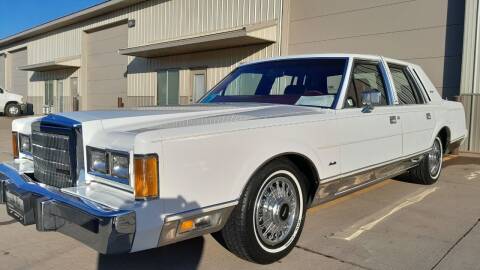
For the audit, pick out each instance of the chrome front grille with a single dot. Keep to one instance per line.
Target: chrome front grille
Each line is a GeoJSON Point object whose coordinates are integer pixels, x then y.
{"type": "Point", "coordinates": [52, 159]}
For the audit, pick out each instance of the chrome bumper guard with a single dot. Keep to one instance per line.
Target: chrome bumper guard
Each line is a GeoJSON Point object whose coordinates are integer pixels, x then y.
{"type": "Point", "coordinates": [106, 230]}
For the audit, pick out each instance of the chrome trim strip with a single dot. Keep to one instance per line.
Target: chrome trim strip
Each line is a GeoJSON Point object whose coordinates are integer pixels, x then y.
{"type": "Point", "coordinates": [457, 140]}
{"type": "Point", "coordinates": [218, 213]}
{"type": "Point", "coordinates": [198, 211]}
{"type": "Point", "coordinates": [358, 171]}
{"type": "Point", "coordinates": [333, 189]}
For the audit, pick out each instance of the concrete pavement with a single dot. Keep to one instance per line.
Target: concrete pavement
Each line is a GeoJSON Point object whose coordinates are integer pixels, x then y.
{"type": "Point", "coordinates": [392, 225]}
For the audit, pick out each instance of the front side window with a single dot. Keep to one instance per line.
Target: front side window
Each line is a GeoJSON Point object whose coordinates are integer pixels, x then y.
{"type": "Point", "coordinates": [304, 82]}
{"type": "Point", "coordinates": [405, 88]}
{"type": "Point", "coordinates": [366, 76]}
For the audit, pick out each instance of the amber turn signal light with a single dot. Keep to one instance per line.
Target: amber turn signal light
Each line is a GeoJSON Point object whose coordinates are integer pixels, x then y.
{"type": "Point", "coordinates": [146, 176]}
{"type": "Point", "coordinates": [15, 145]}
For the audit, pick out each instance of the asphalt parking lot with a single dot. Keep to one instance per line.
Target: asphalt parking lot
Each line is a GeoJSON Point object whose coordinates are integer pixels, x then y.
{"type": "Point", "coordinates": [392, 225]}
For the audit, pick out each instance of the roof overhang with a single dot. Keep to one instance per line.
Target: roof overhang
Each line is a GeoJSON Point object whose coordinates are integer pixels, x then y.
{"type": "Point", "coordinates": [250, 35]}
{"type": "Point", "coordinates": [58, 64]}
{"type": "Point", "coordinates": [82, 15]}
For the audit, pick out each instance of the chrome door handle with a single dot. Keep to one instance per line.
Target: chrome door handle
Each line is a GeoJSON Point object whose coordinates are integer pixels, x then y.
{"type": "Point", "coordinates": [429, 116]}
{"type": "Point", "coordinates": [393, 119]}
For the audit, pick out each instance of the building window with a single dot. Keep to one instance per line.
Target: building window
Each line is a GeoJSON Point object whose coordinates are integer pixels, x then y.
{"type": "Point", "coordinates": [168, 84]}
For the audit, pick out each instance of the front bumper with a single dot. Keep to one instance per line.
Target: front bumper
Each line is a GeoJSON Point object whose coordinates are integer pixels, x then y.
{"type": "Point", "coordinates": [106, 230]}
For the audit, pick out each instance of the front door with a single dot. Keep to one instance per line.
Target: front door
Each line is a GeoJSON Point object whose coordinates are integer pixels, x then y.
{"type": "Point", "coordinates": [199, 84]}
{"type": "Point", "coordinates": [368, 139]}
{"type": "Point", "coordinates": [74, 93]}
{"type": "Point", "coordinates": [60, 98]}
{"type": "Point", "coordinates": [48, 97]}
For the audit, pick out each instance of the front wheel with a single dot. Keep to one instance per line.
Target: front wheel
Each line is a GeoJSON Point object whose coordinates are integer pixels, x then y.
{"type": "Point", "coordinates": [12, 110]}
{"type": "Point", "coordinates": [266, 224]}
{"type": "Point", "coordinates": [429, 169]}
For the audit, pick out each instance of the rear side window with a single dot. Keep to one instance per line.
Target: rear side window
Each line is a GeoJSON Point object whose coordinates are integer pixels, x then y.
{"type": "Point", "coordinates": [405, 87]}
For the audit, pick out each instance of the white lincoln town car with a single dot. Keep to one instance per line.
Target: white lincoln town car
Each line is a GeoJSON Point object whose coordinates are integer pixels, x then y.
{"type": "Point", "coordinates": [272, 139]}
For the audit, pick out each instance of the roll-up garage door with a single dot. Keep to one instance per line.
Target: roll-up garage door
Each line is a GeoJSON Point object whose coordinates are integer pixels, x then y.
{"type": "Point", "coordinates": [106, 69]}
{"type": "Point", "coordinates": [19, 77]}
{"type": "Point", "coordinates": [2, 71]}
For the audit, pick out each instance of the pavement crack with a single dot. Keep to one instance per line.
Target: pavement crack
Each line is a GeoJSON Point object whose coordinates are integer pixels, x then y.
{"type": "Point", "coordinates": [332, 257]}
{"type": "Point", "coordinates": [456, 243]}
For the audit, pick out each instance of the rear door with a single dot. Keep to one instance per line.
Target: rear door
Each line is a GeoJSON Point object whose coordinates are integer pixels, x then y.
{"type": "Point", "coordinates": [368, 139]}
{"type": "Point", "coordinates": [416, 112]}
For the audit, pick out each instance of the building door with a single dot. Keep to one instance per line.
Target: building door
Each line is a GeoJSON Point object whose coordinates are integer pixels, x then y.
{"type": "Point", "coordinates": [106, 69]}
{"type": "Point", "coordinates": [59, 91]}
{"type": "Point", "coordinates": [168, 87]}
{"type": "Point", "coordinates": [74, 94]}
{"type": "Point", "coordinates": [48, 97]}
{"type": "Point", "coordinates": [199, 84]}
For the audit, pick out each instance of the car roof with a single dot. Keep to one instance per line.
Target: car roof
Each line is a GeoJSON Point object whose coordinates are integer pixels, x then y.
{"type": "Point", "coordinates": [325, 55]}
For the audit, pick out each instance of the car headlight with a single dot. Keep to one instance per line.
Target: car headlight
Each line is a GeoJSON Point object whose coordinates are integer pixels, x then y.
{"type": "Point", "coordinates": [119, 165]}
{"type": "Point", "coordinates": [109, 164]}
{"type": "Point", "coordinates": [25, 144]}
{"type": "Point", "coordinates": [97, 160]}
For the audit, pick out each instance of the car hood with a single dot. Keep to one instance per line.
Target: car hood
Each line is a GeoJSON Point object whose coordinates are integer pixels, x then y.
{"type": "Point", "coordinates": [138, 120]}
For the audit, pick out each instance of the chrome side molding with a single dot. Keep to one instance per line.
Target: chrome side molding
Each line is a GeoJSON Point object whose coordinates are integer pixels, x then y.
{"type": "Point", "coordinates": [331, 190]}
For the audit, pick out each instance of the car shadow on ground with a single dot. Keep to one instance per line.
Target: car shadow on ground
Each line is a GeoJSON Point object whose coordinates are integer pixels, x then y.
{"type": "Point", "coordinates": [182, 255]}
{"type": "Point", "coordinates": [458, 160]}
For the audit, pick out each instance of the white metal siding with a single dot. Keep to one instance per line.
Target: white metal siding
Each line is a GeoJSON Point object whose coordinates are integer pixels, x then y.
{"type": "Point", "coordinates": [158, 20]}
{"type": "Point", "coordinates": [2, 71]}
{"type": "Point", "coordinates": [161, 20]}
{"type": "Point", "coordinates": [37, 87]}
{"type": "Point", "coordinates": [469, 88]}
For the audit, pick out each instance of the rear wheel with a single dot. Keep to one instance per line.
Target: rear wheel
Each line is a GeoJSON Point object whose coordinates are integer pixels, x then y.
{"type": "Point", "coordinates": [12, 110]}
{"type": "Point", "coordinates": [266, 224]}
{"type": "Point", "coordinates": [429, 169]}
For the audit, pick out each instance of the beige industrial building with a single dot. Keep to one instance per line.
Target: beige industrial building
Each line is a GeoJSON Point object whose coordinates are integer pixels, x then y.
{"type": "Point", "coordinates": [163, 52]}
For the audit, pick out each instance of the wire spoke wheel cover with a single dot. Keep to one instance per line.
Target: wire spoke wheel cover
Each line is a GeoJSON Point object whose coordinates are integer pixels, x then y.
{"type": "Point", "coordinates": [435, 158]}
{"type": "Point", "coordinates": [278, 209]}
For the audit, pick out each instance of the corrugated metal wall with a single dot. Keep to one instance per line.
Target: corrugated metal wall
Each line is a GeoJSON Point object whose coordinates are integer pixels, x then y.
{"type": "Point", "coordinates": [2, 71]}
{"type": "Point", "coordinates": [162, 20]}
{"type": "Point", "coordinates": [470, 90]}
{"type": "Point", "coordinates": [37, 87]}
{"type": "Point", "coordinates": [425, 32]}
{"type": "Point", "coordinates": [159, 20]}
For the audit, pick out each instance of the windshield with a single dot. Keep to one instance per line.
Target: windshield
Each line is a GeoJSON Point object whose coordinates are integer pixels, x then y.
{"type": "Point", "coordinates": [308, 82]}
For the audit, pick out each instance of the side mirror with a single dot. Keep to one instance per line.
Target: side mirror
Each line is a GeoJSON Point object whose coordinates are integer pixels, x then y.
{"type": "Point", "coordinates": [370, 98]}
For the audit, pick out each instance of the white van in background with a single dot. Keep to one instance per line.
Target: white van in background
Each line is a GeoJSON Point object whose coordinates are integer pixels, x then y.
{"type": "Point", "coordinates": [11, 104]}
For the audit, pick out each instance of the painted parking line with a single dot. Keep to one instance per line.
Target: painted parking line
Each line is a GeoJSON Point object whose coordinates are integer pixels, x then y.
{"type": "Point", "coordinates": [473, 175]}
{"type": "Point", "coordinates": [371, 221]}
